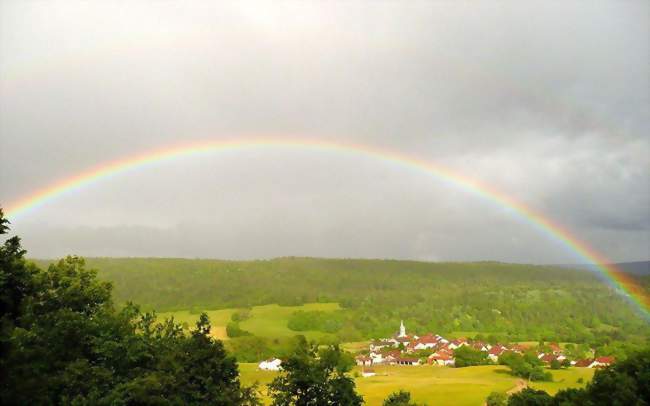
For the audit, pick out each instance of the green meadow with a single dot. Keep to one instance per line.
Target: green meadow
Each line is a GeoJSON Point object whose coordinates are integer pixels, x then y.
{"type": "Point", "coordinates": [268, 321]}
{"type": "Point", "coordinates": [435, 385]}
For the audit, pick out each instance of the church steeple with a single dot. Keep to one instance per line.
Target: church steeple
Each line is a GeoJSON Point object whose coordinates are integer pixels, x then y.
{"type": "Point", "coordinates": [402, 329]}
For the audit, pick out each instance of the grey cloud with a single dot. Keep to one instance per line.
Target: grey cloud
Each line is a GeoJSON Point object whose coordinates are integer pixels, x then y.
{"type": "Point", "coordinates": [546, 101]}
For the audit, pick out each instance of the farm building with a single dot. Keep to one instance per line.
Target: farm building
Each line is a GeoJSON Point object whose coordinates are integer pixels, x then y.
{"type": "Point", "coordinates": [273, 364]}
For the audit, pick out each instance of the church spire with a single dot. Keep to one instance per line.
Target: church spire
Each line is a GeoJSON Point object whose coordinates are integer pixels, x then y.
{"type": "Point", "coordinates": [402, 329]}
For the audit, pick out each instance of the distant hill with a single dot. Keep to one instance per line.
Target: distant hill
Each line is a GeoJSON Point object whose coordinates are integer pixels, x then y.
{"type": "Point", "coordinates": [514, 300]}
{"type": "Point", "coordinates": [641, 268]}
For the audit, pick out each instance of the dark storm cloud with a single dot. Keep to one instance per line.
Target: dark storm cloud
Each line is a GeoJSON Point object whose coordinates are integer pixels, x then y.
{"type": "Point", "coordinates": [545, 101]}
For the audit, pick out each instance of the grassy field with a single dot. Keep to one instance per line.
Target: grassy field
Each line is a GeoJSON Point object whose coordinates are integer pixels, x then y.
{"type": "Point", "coordinates": [265, 321]}
{"type": "Point", "coordinates": [565, 378]}
{"type": "Point", "coordinates": [218, 318]}
{"type": "Point", "coordinates": [437, 385]}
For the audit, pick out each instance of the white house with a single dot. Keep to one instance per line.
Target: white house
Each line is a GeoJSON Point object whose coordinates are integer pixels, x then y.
{"type": "Point", "coordinates": [458, 343]}
{"type": "Point", "coordinates": [425, 342]}
{"type": "Point", "coordinates": [273, 364]}
{"type": "Point", "coordinates": [363, 360]}
{"type": "Point", "coordinates": [602, 362]}
{"type": "Point", "coordinates": [377, 357]}
{"type": "Point", "coordinates": [368, 372]}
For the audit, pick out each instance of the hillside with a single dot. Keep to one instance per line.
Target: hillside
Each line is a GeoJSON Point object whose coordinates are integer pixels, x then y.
{"type": "Point", "coordinates": [640, 268]}
{"type": "Point", "coordinates": [517, 301]}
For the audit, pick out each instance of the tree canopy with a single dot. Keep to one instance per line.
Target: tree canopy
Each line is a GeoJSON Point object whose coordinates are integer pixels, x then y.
{"type": "Point", "coordinates": [63, 342]}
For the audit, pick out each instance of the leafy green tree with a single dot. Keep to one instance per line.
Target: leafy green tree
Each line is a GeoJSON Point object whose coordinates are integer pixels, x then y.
{"type": "Point", "coordinates": [526, 366]}
{"type": "Point", "coordinates": [530, 397]}
{"type": "Point", "coordinates": [63, 342]}
{"type": "Point", "coordinates": [466, 356]}
{"type": "Point", "coordinates": [624, 383]}
{"type": "Point", "coordinates": [399, 398]}
{"type": "Point", "coordinates": [497, 399]}
{"type": "Point", "coordinates": [312, 377]}
{"type": "Point", "coordinates": [233, 330]}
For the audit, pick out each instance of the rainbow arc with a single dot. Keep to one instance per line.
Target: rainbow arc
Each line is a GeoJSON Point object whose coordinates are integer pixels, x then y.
{"type": "Point", "coordinates": [615, 277]}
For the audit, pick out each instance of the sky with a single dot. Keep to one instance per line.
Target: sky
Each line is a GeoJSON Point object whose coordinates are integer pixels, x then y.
{"type": "Point", "coordinates": [546, 102]}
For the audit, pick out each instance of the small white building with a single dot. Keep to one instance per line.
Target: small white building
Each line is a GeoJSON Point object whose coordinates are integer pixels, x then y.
{"type": "Point", "coordinates": [363, 360]}
{"type": "Point", "coordinates": [273, 364]}
{"type": "Point", "coordinates": [368, 372]}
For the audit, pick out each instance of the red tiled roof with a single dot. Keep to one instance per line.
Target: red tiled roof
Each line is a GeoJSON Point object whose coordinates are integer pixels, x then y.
{"type": "Point", "coordinates": [605, 360]}
{"type": "Point", "coordinates": [583, 362]}
{"type": "Point", "coordinates": [441, 357]}
{"type": "Point", "coordinates": [548, 357]}
{"type": "Point", "coordinates": [496, 350]}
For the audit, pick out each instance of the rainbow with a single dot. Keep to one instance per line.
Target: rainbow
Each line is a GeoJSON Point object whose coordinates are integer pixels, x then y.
{"type": "Point", "coordinates": [615, 277]}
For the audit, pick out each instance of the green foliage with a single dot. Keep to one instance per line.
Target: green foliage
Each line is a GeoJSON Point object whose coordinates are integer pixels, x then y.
{"type": "Point", "coordinates": [233, 330]}
{"type": "Point", "coordinates": [555, 364]}
{"type": "Point", "coordinates": [624, 383]}
{"type": "Point", "coordinates": [531, 397]}
{"type": "Point", "coordinates": [505, 302]}
{"type": "Point", "coordinates": [400, 398]}
{"type": "Point", "coordinates": [241, 315]}
{"type": "Point", "coordinates": [312, 377]}
{"type": "Point", "coordinates": [466, 357]}
{"type": "Point", "coordinates": [526, 366]}
{"type": "Point", "coordinates": [496, 399]}
{"type": "Point", "coordinates": [64, 343]}
{"type": "Point", "coordinates": [328, 322]}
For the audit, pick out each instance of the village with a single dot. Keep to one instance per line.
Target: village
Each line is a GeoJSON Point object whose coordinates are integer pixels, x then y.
{"type": "Point", "coordinates": [433, 349]}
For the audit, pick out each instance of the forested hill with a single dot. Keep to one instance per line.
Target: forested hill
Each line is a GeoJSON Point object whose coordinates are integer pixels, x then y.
{"type": "Point", "coordinates": [518, 300]}
{"type": "Point", "coordinates": [640, 268]}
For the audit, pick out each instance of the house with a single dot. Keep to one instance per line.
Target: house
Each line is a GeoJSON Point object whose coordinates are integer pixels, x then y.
{"type": "Point", "coordinates": [391, 356]}
{"type": "Point", "coordinates": [273, 364]}
{"type": "Point", "coordinates": [362, 360]}
{"type": "Point", "coordinates": [407, 361]}
{"type": "Point", "coordinates": [548, 358]}
{"type": "Point", "coordinates": [583, 363]}
{"type": "Point", "coordinates": [481, 346]}
{"type": "Point", "coordinates": [458, 343]}
{"type": "Point", "coordinates": [368, 372]}
{"type": "Point", "coordinates": [495, 352]}
{"type": "Point", "coordinates": [378, 345]}
{"type": "Point", "coordinates": [401, 340]}
{"type": "Point", "coordinates": [555, 347]}
{"type": "Point", "coordinates": [425, 342]}
{"type": "Point", "coordinates": [442, 359]}
{"type": "Point", "coordinates": [518, 348]}
{"type": "Point", "coordinates": [602, 362]}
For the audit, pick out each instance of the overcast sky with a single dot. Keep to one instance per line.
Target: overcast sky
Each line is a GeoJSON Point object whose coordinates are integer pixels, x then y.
{"type": "Point", "coordinates": [547, 102]}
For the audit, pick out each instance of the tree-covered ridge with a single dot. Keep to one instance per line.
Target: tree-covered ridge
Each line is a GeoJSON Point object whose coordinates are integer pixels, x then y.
{"type": "Point", "coordinates": [521, 302]}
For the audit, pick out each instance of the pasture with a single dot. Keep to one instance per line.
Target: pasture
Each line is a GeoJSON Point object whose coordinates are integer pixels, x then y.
{"type": "Point", "coordinates": [436, 385]}
{"type": "Point", "coordinates": [268, 321]}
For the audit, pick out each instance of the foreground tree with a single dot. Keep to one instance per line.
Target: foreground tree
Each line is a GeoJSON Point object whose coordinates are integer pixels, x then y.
{"type": "Point", "coordinates": [63, 342]}
{"type": "Point", "coordinates": [624, 383]}
{"type": "Point", "coordinates": [400, 398]}
{"type": "Point", "coordinates": [315, 378]}
{"type": "Point", "coordinates": [497, 399]}
{"type": "Point", "coordinates": [531, 397]}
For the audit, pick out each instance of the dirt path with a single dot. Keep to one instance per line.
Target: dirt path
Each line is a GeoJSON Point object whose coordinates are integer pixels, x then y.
{"type": "Point", "coordinates": [521, 385]}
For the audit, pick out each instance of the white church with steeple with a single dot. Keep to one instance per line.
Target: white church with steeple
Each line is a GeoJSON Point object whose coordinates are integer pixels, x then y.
{"type": "Point", "coordinates": [402, 329]}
